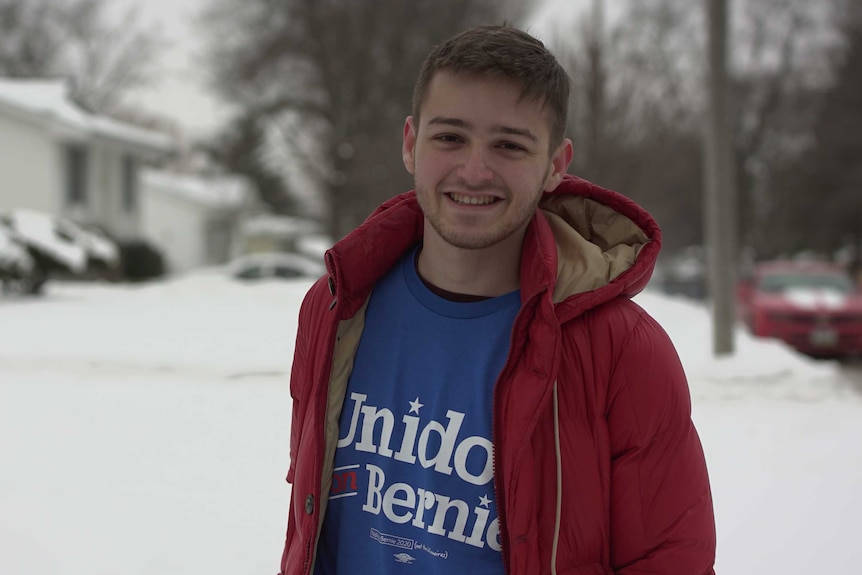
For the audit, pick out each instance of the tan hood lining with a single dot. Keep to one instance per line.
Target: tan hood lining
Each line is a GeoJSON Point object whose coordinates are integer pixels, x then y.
{"type": "Point", "coordinates": [347, 342]}
{"type": "Point", "coordinates": [595, 243]}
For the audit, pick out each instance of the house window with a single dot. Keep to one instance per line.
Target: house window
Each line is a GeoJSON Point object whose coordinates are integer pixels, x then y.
{"type": "Point", "coordinates": [76, 175]}
{"type": "Point", "coordinates": [130, 183]}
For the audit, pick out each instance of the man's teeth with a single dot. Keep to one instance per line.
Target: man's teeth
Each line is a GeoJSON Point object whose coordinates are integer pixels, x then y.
{"type": "Point", "coordinates": [473, 200]}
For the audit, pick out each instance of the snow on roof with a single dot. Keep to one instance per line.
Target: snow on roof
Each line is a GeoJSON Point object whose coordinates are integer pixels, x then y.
{"type": "Point", "coordinates": [49, 99]}
{"type": "Point", "coordinates": [273, 225]}
{"type": "Point", "coordinates": [213, 191]}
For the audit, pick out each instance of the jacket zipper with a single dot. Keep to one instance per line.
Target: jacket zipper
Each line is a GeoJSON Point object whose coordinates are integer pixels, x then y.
{"type": "Point", "coordinates": [559, 460]}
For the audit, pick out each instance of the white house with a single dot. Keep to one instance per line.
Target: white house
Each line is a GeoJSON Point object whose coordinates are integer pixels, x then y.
{"type": "Point", "coordinates": [58, 158]}
{"type": "Point", "coordinates": [193, 219]}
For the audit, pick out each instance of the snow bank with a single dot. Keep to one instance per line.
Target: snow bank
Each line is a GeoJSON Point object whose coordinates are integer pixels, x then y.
{"type": "Point", "coordinates": [758, 368]}
{"type": "Point", "coordinates": [146, 430]}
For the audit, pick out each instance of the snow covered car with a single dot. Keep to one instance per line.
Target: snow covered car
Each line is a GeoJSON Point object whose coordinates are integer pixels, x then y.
{"type": "Point", "coordinates": [54, 245]}
{"type": "Point", "coordinates": [16, 264]}
{"type": "Point", "coordinates": [102, 252]}
{"type": "Point", "coordinates": [275, 266]}
{"type": "Point", "coordinates": [813, 306]}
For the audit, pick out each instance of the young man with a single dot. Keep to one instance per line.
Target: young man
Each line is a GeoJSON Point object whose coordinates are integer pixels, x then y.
{"type": "Point", "coordinates": [473, 389]}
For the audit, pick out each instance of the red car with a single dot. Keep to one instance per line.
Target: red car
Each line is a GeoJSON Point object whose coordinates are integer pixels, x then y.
{"type": "Point", "coordinates": [813, 306]}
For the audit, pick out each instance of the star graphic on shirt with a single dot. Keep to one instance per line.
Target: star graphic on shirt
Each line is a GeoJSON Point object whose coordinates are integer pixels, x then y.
{"type": "Point", "coordinates": [415, 406]}
{"type": "Point", "coordinates": [484, 501]}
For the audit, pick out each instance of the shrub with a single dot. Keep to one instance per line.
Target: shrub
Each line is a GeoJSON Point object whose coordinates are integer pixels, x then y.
{"type": "Point", "coordinates": [140, 260]}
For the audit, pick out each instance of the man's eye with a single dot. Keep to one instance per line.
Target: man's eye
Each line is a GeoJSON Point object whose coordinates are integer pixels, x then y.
{"type": "Point", "coordinates": [447, 138]}
{"type": "Point", "coordinates": [511, 146]}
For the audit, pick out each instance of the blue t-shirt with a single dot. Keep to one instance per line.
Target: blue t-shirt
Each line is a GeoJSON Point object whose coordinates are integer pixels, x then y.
{"type": "Point", "coordinates": [413, 484]}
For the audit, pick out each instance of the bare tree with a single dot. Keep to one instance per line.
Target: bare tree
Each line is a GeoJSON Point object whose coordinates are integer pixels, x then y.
{"type": "Point", "coordinates": [649, 71]}
{"type": "Point", "coordinates": [31, 37]}
{"type": "Point", "coordinates": [334, 78]}
{"type": "Point", "coordinates": [783, 52]}
{"type": "Point", "coordinates": [635, 109]}
{"type": "Point", "coordinates": [105, 59]}
{"type": "Point", "coordinates": [822, 178]}
{"type": "Point", "coordinates": [75, 39]}
{"type": "Point", "coordinates": [241, 148]}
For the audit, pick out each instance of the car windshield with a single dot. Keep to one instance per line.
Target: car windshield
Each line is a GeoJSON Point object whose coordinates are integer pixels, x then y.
{"type": "Point", "coordinates": [776, 283]}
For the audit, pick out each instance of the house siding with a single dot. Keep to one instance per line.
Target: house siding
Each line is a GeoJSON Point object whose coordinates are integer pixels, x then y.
{"type": "Point", "coordinates": [178, 227]}
{"type": "Point", "coordinates": [38, 124]}
{"type": "Point", "coordinates": [107, 192]}
{"type": "Point", "coordinates": [31, 167]}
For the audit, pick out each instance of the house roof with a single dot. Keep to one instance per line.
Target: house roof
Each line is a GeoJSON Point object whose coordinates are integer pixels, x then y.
{"type": "Point", "coordinates": [49, 100]}
{"type": "Point", "coordinates": [211, 191]}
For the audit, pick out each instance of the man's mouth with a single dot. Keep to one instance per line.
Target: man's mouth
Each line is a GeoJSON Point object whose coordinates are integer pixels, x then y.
{"type": "Point", "coordinates": [465, 200]}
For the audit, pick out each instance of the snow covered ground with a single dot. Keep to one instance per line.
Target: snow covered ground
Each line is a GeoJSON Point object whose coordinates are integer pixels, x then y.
{"type": "Point", "coordinates": [144, 430]}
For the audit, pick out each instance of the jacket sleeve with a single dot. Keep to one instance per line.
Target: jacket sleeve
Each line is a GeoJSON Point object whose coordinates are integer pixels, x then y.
{"type": "Point", "coordinates": [661, 506]}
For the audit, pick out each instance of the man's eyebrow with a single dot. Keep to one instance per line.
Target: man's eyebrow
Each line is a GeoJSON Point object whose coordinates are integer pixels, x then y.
{"type": "Point", "coordinates": [454, 122]}
{"type": "Point", "coordinates": [523, 132]}
{"type": "Point", "coordinates": [458, 123]}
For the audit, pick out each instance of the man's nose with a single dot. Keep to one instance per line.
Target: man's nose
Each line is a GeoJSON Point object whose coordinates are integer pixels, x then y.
{"type": "Point", "coordinates": [475, 168]}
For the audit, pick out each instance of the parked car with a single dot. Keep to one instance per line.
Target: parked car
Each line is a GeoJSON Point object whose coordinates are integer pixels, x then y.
{"type": "Point", "coordinates": [103, 253]}
{"type": "Point", "coordinates": [684, 273]}
{"type": "Point", "coordinates": [57, 246]}
{"type": "Point", "coordinates": [813, 306]}
{"type": "Point", "coordinates": [16, 264]}
{"type": "Point", "coordinates": [275, 265]}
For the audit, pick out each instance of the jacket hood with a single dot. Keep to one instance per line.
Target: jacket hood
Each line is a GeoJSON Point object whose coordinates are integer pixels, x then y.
{"type": "Point", "coordinates": [606, 245]}
{"type": "Point", "coordinates": [586, 245]}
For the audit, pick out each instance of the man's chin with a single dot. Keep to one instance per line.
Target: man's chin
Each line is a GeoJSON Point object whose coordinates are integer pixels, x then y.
{"type": "Point", "coordinates": [466, 240]}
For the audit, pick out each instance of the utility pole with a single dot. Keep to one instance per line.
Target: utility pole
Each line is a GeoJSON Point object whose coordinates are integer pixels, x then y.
{"type": "Point", "coordinates": [720, 185]}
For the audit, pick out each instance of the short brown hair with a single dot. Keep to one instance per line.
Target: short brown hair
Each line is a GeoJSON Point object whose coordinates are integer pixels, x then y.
{"type": "Point", "coordinates": [501, 50]}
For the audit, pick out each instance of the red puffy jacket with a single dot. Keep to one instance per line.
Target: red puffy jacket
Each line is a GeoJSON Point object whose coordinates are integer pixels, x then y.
{"type": "Point", "coordinates": [598, 467]}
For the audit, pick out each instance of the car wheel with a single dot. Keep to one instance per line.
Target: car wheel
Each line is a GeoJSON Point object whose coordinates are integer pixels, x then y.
{"type": "Point", "coordinates": [35, 281]}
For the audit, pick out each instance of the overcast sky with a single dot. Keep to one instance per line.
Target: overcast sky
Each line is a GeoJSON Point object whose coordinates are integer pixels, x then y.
{"type": "Point", "coordinates": [180, 89]}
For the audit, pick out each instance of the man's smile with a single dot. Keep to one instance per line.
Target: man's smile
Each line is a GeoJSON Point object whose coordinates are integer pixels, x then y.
{"type": "Point", "coordinates": [468, 200]}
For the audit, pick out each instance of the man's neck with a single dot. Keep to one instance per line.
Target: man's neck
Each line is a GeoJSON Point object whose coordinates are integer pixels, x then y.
{"type": "Point", "coordinates": [488, 272]}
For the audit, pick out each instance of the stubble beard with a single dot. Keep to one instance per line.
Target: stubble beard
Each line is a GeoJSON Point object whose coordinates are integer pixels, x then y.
{"type": "Point", "coordinates": [477, 239]}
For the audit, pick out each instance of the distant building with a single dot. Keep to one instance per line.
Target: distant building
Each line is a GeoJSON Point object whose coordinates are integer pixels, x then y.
{"type": "Point", "coordinates": [58, 158]}
{"type": "Point", "coordinates": [267, 233]}
{"type": "Point", "coordinates": [194, 219]}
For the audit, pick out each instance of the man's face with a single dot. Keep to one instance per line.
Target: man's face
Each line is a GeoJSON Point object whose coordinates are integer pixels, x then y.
{"type": "Point", "coordinates": [480, 159]}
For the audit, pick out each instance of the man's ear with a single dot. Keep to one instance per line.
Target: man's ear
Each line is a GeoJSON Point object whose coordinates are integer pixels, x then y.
{"type": "Point", "coordinates": [559, 164]}
{"type": "Point", "coordinates": [408, 145]}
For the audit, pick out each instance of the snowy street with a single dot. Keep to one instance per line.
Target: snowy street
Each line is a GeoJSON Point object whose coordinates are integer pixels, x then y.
{"type": "Point", "coordinates": [145, 430]}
